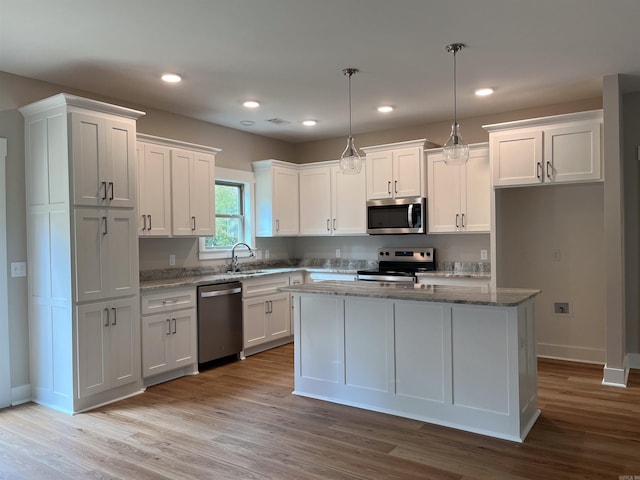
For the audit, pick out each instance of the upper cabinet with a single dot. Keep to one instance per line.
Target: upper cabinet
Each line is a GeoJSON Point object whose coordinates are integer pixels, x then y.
{"type": "Point", "coordinates": [277, 198]}
{"type": "Point", "coordinates": [103, 152]}
{"type": "Point", "coordinates": [333, 203]}
{"type": "Point", "coordinates": [176, 188]}
{"type": "Point", "coordinates": [459, 196]}
{"type": "Point", "coordinates": [563, 148]}
{"type": "Point", "coordinates": [396, 170]}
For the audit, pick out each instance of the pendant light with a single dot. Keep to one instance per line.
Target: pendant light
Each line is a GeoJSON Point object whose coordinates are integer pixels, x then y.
{"type": "Point", "coordinates": [350, 162]}
{"type": "Point", "coordinates": [455, 151]}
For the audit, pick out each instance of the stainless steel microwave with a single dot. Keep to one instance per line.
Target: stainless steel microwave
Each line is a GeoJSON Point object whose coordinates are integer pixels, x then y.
{"type": "Point", "coordinates": [397, 216]}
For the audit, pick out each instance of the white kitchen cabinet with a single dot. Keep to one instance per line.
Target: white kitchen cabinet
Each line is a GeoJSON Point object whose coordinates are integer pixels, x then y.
{"type": "Point", "coordinates": [103, 153]}
{"type": "Point", "coordinates": [108, 346]}
{"type": "Point", "coordinates": [396, 170]}
{"type": "Point", "coordinates": [169, 334]}
{"type": "Point", "coordinates": [193, 193]}
{"type": "Point", "coordinates": [154, 189]}
{"type": "Point", "coordinates": [277, 198]}
{"type": "Point", "coordinates": [558, 149]}
{"type": "Point", "coordinates": [331, 202]}
{"type": "Point", "coordinates": [82, 250]}
{"type": "Point", "coordinates": [106, 253]}
{"type": "Point", "coordinates": [459, 196]}
{"type": "Point", "coordinates": [266, 313]}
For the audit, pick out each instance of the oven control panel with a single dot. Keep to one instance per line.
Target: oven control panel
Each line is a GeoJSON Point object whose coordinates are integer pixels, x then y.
{"type": "Point", "coordinates": [406, 254]}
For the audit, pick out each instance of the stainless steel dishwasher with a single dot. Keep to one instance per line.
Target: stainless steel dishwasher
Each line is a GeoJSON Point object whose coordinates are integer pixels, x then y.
{"type": "Point", "coordinates": [219, 321]}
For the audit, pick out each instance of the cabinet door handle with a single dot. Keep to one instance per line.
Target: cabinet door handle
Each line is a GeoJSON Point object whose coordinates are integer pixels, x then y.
{"type": "Point", "coordinates": [115, 316]}
{"type": "Point", "coordinates": [175, 326]}
{"type": "Point", "coordinates": [193, 223]}
{"type": "Point", "coordinates": [105, 229]}
{"type": "Point", "coordinates": [457, 217]}
{"type": "Point", "coordinates": [328, 227]}
{"type": "Point", "coordinates": [334, 224]}
{"type": "Point", "coordinates": [548, 174]}
{"type": "Point", "coordinates": [149, 221]}
{"type": "Point", "coordinates": [144, 222]}
{"type": "Point", "coordinates": [106, 323]}
{"type": "Point", "coordinates": [168, 332]}
{"type": "Point", "coordinates": [389, 187]}
{"type": "Point", "coordinates": [395, 186]}
{"type": "Point", "coordinates": [277, 225]}
{"type": "Point", "coordinates": [103, 185]}
{"type": "Point", "coordinates": [111, 190]}
{"type": "Point", "coordinates": [462, 220]}
{"type": "Point", "coordinates": [538, 170]}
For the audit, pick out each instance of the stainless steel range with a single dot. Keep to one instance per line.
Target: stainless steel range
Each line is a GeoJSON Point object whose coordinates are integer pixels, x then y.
{"type": "Point", "coordinates": [400, 265]}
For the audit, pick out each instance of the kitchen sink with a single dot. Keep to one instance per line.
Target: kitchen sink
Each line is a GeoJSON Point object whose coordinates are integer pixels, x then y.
{"type": "Point", "coordinates": [247, 272]}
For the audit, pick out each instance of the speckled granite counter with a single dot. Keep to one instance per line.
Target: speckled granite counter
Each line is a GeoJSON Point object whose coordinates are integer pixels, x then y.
{"type": "Point", "coordinates": [501, 297]}
{"type": "Point", "coordinates": [196, 280]}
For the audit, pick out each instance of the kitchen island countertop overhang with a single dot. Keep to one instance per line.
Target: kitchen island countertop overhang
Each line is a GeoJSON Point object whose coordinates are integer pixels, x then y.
{"type": "Point", "coordinates": [461, 357]}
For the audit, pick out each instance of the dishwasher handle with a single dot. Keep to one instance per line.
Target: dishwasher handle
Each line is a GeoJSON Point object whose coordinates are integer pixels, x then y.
{"type": "Point", "coordinates": [219, 293]}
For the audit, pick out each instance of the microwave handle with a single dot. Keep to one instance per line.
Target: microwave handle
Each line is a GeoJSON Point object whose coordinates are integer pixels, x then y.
{"type": "Point", "coordinates": [410, 215]}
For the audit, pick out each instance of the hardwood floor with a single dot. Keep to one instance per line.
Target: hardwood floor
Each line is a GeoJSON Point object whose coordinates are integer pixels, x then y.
{"type": "Point", "coordinates": [240, 421]}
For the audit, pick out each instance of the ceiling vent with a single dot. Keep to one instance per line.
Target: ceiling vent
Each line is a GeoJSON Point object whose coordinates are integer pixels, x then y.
{"type": "Point", "coordinates": [278, 121]}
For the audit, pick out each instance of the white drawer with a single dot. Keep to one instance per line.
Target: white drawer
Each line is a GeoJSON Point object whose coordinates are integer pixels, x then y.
{"type": "Point", "coordinates": [264, 285]}
{"type": "Point", "coordinates": [168, 300]}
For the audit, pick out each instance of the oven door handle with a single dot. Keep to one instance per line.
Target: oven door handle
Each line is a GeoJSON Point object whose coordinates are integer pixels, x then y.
{"type": "Point", "coordinates": [410, 215]}
{"type": "Point", "coordinates": [381, 277]}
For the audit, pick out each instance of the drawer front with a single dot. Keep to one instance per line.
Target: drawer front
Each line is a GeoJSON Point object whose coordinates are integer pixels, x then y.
{"type": "Point", "coordinates": [264, 286]}
{"type": "Point", "coordinates": [168, 300]}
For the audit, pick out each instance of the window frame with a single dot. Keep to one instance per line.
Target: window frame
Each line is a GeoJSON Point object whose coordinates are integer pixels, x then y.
{"type": "Point", "coordinates": [246, 179]}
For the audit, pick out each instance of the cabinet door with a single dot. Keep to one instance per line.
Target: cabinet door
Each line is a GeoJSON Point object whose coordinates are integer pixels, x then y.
{"type": "Point", "coordinates": [93, 323]}
{"type": "Point", "coordinates": [119, 169]}
{"type": "Point", "coordinates": [154, 196]}
{"type": "Point", "coordinates": [379, 173]}
{"type": "Point", "coordinates": [476, 192]}
{"type": "Point", "coordinates": [90, 187]}
{"type": "Point", "coordinates": [91, 260]}
{"type": "Point", "coordinates": [120, 254]}
{"type": "Point", "coordinates": [315, 201]}
{"type": "Point", "coordinates": [444, 193]}
{"type": "Point", "coordinates": [156, 355]}
{"type": "Point", "coordinates": [183, 338]}
{"type": "Point", "coordinates": [124, 342]}
{"type": "Point", "coordinates": [181, 162]}
{"type": "Point", "coordinates": [407, 172]}
{"type": "Point", "coordinates": [254, 316]}
{"type": "Point", "coordinates": [517, 157]}
{"type": "Point", "coordinates": [349, 205]}
{"type": "Point", "coordinates": [285, 201]}
{"type": "Point", "coordinates": [572, 152]}
{"type": "Point", "coordinates": [278, 316]}
{"type": "Point", "coordinates": [202, 186]}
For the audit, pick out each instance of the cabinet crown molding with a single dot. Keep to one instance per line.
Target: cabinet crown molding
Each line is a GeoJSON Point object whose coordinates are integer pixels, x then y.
{"type": "Point", "coordinates": [541, 121]}
{"type": "Point", "coordinates": [423, 142]}
{"type": "Point", "coordinates": [168, 142]}
{"type": "Point", "coordinates": [65, 99]}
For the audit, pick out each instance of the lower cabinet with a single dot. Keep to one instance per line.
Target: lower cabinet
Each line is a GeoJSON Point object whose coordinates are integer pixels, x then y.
{"type": "Point", "coordinates": [266, 313]}
{"type": "Point", "coordinates": [169, 335]}
{"type": "Point", "coordinates": [108, 345]}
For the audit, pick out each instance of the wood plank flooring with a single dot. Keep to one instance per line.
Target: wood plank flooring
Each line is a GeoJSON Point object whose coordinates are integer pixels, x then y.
{"type": "Point", "coordinates": [240, 421]}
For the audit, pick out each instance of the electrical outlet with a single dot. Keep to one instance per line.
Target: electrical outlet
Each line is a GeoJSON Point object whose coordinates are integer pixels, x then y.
{"type": "Point", "coordinates": [561, 308]}
{"type": "Point", "coordinates": [172, 260]}
{"type": "Point", "coordinates": [338, 253]}
{"type": "Point", "coordinates": [258, 254]}
{"type": "Point", "coordinates": [18, 269]}
{"type": "Point", "coordinates": [266, 254]}
{"type": "Point", "coordinates": [483, 255]}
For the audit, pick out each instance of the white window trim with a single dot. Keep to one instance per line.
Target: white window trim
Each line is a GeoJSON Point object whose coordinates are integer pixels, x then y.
{"type": "Point", "coordinates": [247, 178]}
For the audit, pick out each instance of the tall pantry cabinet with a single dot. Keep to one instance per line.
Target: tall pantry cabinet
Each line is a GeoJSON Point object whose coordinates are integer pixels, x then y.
{"type": "Point", "coordinates": [84, 316]}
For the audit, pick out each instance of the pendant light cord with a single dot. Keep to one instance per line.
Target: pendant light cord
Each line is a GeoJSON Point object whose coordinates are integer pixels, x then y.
{"type": "Point", "coordinates": [350, 73]}
{"type": "Point", "coordinates": [455, 88]}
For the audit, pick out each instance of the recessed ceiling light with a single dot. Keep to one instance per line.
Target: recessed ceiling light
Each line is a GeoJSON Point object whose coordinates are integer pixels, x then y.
{"type": "Point", "coordinates": [171, 77]}
{"type": "Point", "coordinates": [247, 123]}
{"type": "Point", "coordinates": [483, 92]}
{"type": "Point", "coordinates": [251, 104]}
{"type": "Point", "coordinates": [385, 108]}
{"type": "Point", "coordinates": [309, 123]}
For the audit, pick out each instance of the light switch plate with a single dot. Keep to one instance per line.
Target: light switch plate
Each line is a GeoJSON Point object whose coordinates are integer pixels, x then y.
{"type": "Point", "coordinates": [18, 269]}
{"type": "Point", "coordinates": [483, 254]}
{"type": "Point", "coordinates": [172, 260]}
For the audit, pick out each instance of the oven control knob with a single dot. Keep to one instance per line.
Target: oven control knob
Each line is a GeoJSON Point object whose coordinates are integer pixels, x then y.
{"type": "Point", "coordinates": [428, 254]}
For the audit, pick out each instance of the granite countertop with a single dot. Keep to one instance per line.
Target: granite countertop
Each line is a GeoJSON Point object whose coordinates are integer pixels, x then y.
{"type": "Point", "coordinates": [501, 297]}
{"type": "Point", "coordinates": [454, 274]}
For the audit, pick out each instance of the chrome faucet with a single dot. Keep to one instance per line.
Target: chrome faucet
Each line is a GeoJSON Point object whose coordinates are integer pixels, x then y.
{"type": "Point", "coordinates": [234, 257]}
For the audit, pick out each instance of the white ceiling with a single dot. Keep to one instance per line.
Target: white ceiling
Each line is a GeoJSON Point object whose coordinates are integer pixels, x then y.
{"type": "Point", "coordinates": [289, 54]}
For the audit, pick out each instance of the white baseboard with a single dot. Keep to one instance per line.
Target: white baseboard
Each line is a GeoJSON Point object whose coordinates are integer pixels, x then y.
{"type": "Point", "coordinates": [21, 394]}
{"type": "Point", "coordinates": [572, 353]}
{"type": "Point", "coordinates": [615, 377]}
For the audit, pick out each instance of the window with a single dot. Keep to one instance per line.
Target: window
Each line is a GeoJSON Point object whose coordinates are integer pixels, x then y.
{"type": "Point", "coordinates": [233, 214]}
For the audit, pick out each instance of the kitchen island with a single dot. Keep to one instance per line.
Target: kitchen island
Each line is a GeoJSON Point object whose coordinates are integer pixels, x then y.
{"type": "Point", "coordinates": [462, 357]}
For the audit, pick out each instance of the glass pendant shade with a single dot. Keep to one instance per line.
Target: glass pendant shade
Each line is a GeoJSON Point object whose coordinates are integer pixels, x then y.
{"type": "Point", "coordinates": [455, 151]}
{"type": "Point", "coordinates": [350, 161]}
